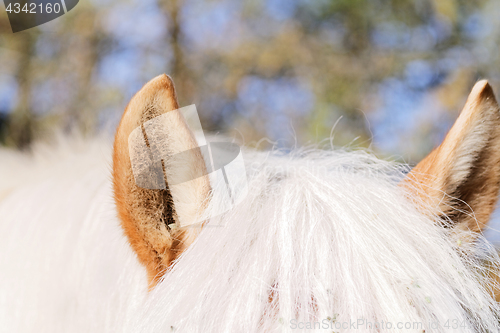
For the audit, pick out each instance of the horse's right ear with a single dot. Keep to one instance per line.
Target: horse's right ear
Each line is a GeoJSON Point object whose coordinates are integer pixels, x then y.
{"type": "Point", "coordinates": [154, 217]}
{"type": "Point", "coordinates": [460, 179]}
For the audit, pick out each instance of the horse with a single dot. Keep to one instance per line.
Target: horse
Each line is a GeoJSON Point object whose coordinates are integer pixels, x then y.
{"type": "Point", "coordinates": [331, 240]}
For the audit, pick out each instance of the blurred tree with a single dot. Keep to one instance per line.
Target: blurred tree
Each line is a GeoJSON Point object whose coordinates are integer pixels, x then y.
{"type": "Point", "coordinates": [85, 50]}
{"type": "Point", "coordinates": [288, 70]}
{"type": "Point", "coordinates": [20, 126]}
{"type": "Point", "coordinates": [180, 73]}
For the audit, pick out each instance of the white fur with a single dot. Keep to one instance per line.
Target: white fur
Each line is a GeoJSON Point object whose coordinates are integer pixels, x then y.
{"type": "Point", "coordinates": [65, 264]}
{"type": "Point", "coordinates": [330, 233]}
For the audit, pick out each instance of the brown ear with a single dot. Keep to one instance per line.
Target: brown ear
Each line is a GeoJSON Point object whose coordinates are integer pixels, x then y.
{"type": "Point", "coordinates": [461, 177]}
{"type": "Point", "coordinates": [153, 217]}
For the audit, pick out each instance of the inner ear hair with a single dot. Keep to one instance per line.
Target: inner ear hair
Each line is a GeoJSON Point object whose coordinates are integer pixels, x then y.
{"type": "Point", "coordinates": [460, 179]}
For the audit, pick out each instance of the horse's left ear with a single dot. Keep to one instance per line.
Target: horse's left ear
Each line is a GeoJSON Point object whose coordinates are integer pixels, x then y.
{"type": "Point", "coordinates": [154, 149]}
{"type": "Point", "coordinates": [461, 177]}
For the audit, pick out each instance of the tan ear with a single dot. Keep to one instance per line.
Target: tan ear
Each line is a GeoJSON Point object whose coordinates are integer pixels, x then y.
{"type": "Point", "coordinates": [461, 177]}
{"type": "Point", "coordinates": [152, 216]}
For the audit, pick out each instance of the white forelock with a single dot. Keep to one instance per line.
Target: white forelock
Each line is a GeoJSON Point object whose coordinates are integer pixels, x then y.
{"type": "Point", "coordinates": [325, 237]}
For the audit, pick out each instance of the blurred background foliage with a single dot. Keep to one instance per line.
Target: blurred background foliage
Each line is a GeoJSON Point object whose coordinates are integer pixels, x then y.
{"type": "Point", "coordinates": [391, 75]}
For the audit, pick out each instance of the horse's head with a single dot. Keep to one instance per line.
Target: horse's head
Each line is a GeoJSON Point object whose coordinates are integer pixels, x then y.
{"type": "Point", "coordinates": [328, 237]}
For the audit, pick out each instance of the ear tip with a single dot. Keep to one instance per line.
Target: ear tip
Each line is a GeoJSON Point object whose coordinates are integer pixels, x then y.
{"type": "Point", "coordinates": [162, 85]}
{"type": "Point", "coordinates": [482, 82]}
{"type": "Point", "coordinates": [482, 90]}
{"type": "Point", "coordinates": [156, 97]}
{"type": "Point", "coordinates": [161, 81]}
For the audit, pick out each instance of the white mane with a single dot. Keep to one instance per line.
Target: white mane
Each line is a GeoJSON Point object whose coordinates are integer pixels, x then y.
{"type": "Point", "coordinates": [322, 240]}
